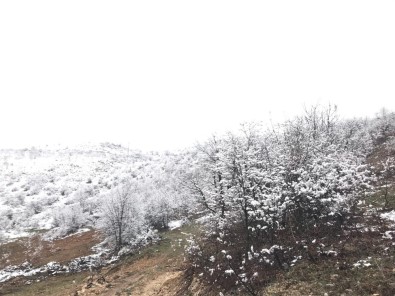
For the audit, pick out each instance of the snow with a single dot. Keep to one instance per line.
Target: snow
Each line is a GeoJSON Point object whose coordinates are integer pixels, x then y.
{"type": "Point", "coordinates": [39, 186]}
{"type": "Point", "coordinates": [175, 224]}
{"type": "Point", "coordinates": [75, 265]}
{"type": "Point", "coordinates": [203, 219]}
{"type": "Point", "coordinates": [389, 216]}
{"type": "Point", "coordinates": [13, 234]}
{"type": "Point", "coordinates": [229, 271]}
{"type": "Point", "coordinates": [388, 234]}
{"type": "Point", "coordinates": [79, 231]}
{"type": "Point", "coordinates": [363, 263]}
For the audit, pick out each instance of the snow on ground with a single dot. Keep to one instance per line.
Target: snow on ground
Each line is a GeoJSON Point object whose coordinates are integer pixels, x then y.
{"type": "Point", "coordinates": [389, 216]}
{"type": "Point", "coordinates": [100, 257]}
{"type": "Point", "coordinates": [203, 219]}
{"type": "Point", "coordinates": [10, 235]}
{"type": "Point", "coordinates": [79, 231]}
{"type": "Point", "coordinates": [12, 272]}
{"type": "Point", "coordinates": [363, 263]}
{"type": "Point", "coordinates": [77, 264]}
{"type": "Point", "coordinates": [175, 224]}
{"type": "Point", "coordinates": [37, 185]}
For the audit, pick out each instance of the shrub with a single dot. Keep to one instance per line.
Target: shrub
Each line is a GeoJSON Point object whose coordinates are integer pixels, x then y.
{"type": "Point", "coordinates": [269, 193]}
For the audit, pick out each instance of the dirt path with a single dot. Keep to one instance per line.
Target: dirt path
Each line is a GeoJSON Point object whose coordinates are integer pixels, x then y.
{"type": "Point", "coordinates": [162, 284]}
{"type": "Point", "coordinates": [157, 270]}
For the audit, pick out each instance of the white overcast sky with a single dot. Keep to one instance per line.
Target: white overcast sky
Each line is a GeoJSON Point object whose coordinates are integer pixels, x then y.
{"type": "Point", "coordinates": [164, 74]}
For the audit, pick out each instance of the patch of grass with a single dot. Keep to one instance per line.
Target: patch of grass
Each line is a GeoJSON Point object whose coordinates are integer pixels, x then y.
{"type": "Point", "coordinates": [167, 256]}
{"type": "Point", "coordinates": [171, 244]}
{"type": "Point", "coordinates": [54, 285]}
{"type": "Point", "coordinates": [338, 275]}
{"type": "Point", "coordinates": [328, 277]}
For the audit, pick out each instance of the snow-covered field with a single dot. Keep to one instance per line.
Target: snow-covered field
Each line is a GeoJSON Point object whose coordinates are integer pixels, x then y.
{"type": "Point", "coordinates": [43, 188]}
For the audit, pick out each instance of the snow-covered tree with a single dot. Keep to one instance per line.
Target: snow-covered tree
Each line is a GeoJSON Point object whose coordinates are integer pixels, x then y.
{"type": "Point", "coordinates": [67, 219]}
{"type": "Point", "coordinates": [383, 126]}
{"type": "Point", "coordinates": [259, 185]}
{"type": "Point", "coordinates": [122, 214]}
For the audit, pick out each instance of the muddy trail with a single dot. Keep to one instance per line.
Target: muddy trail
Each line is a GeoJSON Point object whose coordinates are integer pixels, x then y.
{"type": "Point", "coordinates": [155, 270]}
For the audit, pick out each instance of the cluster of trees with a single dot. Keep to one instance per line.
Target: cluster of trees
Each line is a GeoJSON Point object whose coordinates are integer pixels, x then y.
{"type": "Point", "coordinates": [133, 211]}
{"type": "Point", "coordinates": [269, 195]}
{"type": "Point", "coordinates": [275, 195]}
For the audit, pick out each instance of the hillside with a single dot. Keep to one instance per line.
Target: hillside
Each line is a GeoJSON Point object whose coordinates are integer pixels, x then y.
{"type": "Point", "coordinates": [38, 187]}
{"type": "Point", "coordinates": [307, 209]}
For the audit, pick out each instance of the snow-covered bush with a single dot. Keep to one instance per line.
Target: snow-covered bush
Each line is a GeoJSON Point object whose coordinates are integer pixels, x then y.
{"type": "Point", "coordinates": [86, 196]}
{"type": "Point", "coordinates": [67, 220]}
{"type": "Point", "coordinates": [36, 183]}
{"type": "Point", "coordinates": [265, 190]}
{"type": "Point", "coordinates": [145, 237]}
{"type": "Point", "coordinates": [160, 209]}
{"type": "Point", "coordinates": [383, 127]}
{"type": "Point", "coordinates": [35, 206]}
{"type": "Point", "coordinates": [15, 200]}
{"type": "Point", "coordinates": [6, 217]}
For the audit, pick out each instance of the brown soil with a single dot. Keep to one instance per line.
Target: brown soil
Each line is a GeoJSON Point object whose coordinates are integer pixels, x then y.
{"type": "Point", "coordinates": [39, 252]}
{"type": "Point", "coordinates": [157, 270]}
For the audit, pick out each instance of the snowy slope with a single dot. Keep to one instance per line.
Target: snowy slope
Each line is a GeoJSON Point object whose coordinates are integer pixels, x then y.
{"type": "Point", "coordinates": [38, 184]}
